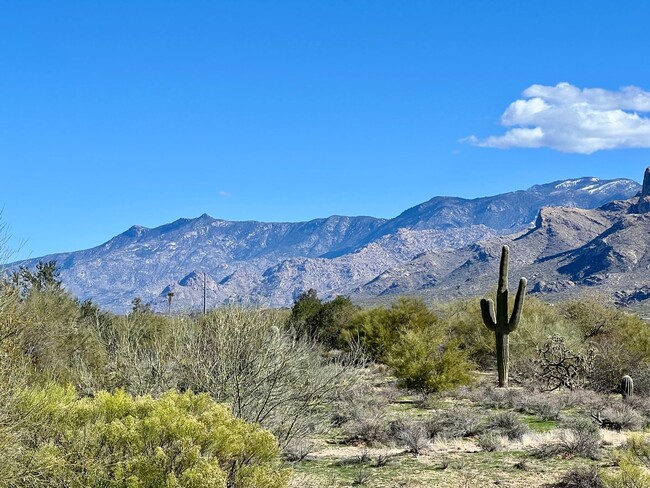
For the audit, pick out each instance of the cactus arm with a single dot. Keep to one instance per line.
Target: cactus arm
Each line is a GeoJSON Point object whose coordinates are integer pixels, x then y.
{"type": "Point", "coordinates": [503, 270]}
{"type": "Point", "coordinates": [519, 305]}
{"type": "Point", "coordinates": [487, 311]}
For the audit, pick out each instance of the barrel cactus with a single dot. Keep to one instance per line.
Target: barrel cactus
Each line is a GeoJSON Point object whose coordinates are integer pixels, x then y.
{"type": "Point", "coordinates": [500, 323]}
{"type": "Point", "coordinates": [627, 387]}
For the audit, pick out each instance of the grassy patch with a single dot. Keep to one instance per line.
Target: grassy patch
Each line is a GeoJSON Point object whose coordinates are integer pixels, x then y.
{"type": "Point", "coordinates": [538, 425]}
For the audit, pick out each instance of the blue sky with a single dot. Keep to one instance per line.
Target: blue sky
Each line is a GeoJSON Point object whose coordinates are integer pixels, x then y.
{"type": "Point", "coordinates": [114, 113]}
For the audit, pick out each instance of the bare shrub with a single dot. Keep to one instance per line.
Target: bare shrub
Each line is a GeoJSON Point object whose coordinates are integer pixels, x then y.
{"type": "Point", "coordinates": [358, 402]}
{"type": "Point", "coordinates": [371, 429]}
{"type": "Point", "coordinates": [490, 442]}
{"type": "Point", "coordinates": [581, 438]}
{"type": "Point", "coordinates": [244, 357]}
{"type": "Point", "coordinates": [624, 416]}
{"type": "Point", "coordinates": [297, 450]}
{"type": "Point", "coordinates": [508, 424]}
{"type": "Point", "coordinates": [451, 424]}
{"type": "Point", "coordinates": [411, 433]}
{"type": "Point", "coordinates": [361, 476]}
{"type": "Point", "coordinates": [491, 397]}
{"type": "Point", "coordinates": [587, 400]}
{"type": "Point", "coordinates": [381, 460]}
{"type": "Point", "coordinates": [545, 406]}
{"type": "Point", "coordinates": [642, 406]}
{"type": "Point", "coordinates": [579, 477]}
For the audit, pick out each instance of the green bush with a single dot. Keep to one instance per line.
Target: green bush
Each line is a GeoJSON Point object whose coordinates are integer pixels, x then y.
{"type": "Point", "coordinates": [312, 318]}
{"type": "Point", "coordinates": [116, 440]}
{"type": "Point", "coordinates": [427, 362]}
{"type": "Point", "coordinates": [379, 329]}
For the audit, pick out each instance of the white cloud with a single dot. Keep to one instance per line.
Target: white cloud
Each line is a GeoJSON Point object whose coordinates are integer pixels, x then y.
{"type": "Point", "coordinates": [225, 194]}
{"type": "Point", "coordinates": [569, 119]}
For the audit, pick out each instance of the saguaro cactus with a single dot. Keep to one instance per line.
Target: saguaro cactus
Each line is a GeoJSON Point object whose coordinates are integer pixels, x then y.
{"type": "Point", "coordinates": [627, 387]}
{"type": "Point", "coordinates": [500, 323]}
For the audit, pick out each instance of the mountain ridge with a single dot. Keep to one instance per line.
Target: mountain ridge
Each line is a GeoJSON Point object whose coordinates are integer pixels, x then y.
{"type": "Point", "coordinates": [272, 262]}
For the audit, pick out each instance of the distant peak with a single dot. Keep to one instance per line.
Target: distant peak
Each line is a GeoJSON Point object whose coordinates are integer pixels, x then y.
{"type": "Point", "coordinates": [135, 231]}
{"type": "Point", "coordinates": [575, 182]}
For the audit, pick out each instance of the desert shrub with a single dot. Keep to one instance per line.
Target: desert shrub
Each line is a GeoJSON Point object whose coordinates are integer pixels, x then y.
{"type": "Point", "coordinates": [539, 321]}
{"type": "Point", "coordinates": [544, 405]}
{"type": "Point", "coordinates": [490, 442]}
{"type": "Point", "coordinates": [370, 429]}
{"type": "Point", "coordinates": [579, 477]}
{"type": "Point", "coordinates": [411, 433]}
{"type": "Point", "coordinates": [297, 450]}
{"type": "Point", "coordinates": [182, 440]}
{"type": "Point", "coordinates": [243, 357]}
{"type": "Point", "coordinates": [450, 424]}
{"type": "Point", "coordinates": [633, 461]}
{"type": "Point", "coordinates": [641, 405]}
{"type": "Point", "coordinates": [491, 397]}
{"type": "Point", "coordinates": [463, 319]}
{"type": "Point", "coordinates": [624, 416]}
{"type": "Point", "coordinates": [312, 318]}
{"type": "Point", "coordinates": [426, 362]}
{"type": "Point", "coordinates": [361, 476]}
{"type": "Point", "coordinates": [379, 328]}
{"type": "Point", "coordinates": [580, 437]}
{"type": "Point", "coordinates": [591, 316]}
{"type": "Point", "coordinates": [622, 341]}
{"type": "Point", "coordinates": [53, 337]}
{"type": "Point", "coordinates": [508, 424]}
{"type": "Point", "coordinates": [586, 400]}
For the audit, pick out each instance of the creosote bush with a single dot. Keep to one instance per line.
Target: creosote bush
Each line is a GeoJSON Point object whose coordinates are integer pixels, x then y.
{"type": "Point", "coordinates": [177, 440]}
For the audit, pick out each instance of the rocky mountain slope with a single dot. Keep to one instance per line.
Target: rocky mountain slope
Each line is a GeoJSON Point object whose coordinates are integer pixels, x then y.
{"type": "Point", "coordinates": [566, 252]}
{"type": "Point", "coordinates": [271, 263]}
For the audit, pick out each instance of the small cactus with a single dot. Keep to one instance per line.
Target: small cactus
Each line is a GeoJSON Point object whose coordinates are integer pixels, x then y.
{"type": "Point", "coordinates": [500, 323]}
{"type": "Point", "coordinates": [627, 387]}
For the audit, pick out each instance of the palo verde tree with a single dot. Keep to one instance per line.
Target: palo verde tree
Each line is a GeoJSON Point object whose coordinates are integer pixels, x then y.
{"type": "Point", "coordinates": [500, 323]}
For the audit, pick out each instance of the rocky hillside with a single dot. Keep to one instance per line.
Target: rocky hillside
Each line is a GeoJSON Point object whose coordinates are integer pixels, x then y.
{"type": "Point", "coordinates": [271, 263]}
{"type": "Point", "coordinates": [565, 253]}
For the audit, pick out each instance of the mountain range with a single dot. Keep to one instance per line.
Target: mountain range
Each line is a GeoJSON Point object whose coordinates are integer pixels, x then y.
{"type": "Point", "coordinates": [565, 235]}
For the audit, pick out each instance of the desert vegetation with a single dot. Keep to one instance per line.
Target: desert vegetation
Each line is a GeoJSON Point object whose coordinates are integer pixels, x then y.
{"type": "Point", "coordinates": [323, 394]}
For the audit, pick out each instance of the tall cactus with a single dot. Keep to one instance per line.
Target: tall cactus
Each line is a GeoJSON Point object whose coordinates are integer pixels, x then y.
{"type": "Point", "coordinates": [501, 324]}
{"type": "Point", "coordinates": [627, 387]}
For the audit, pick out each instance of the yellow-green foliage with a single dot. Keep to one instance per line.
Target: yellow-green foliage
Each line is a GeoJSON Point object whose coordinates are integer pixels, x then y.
{"type": "Point", "coordinates": [378, 329]}
{"type": "Point", "coordinates": [633, 463]}
{"type": "Point", "coordinates": [462, 319]}
{"type": "Point", "coordinates": [427, 361]}
{"type": "Point", "coordinates": [116, 440]}
{"type": "Point", "coordinates": [410, 339]}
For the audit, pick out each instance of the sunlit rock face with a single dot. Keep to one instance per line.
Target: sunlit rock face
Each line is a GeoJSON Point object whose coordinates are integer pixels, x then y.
{"type": "Point", "coordinates": [644, 199]}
